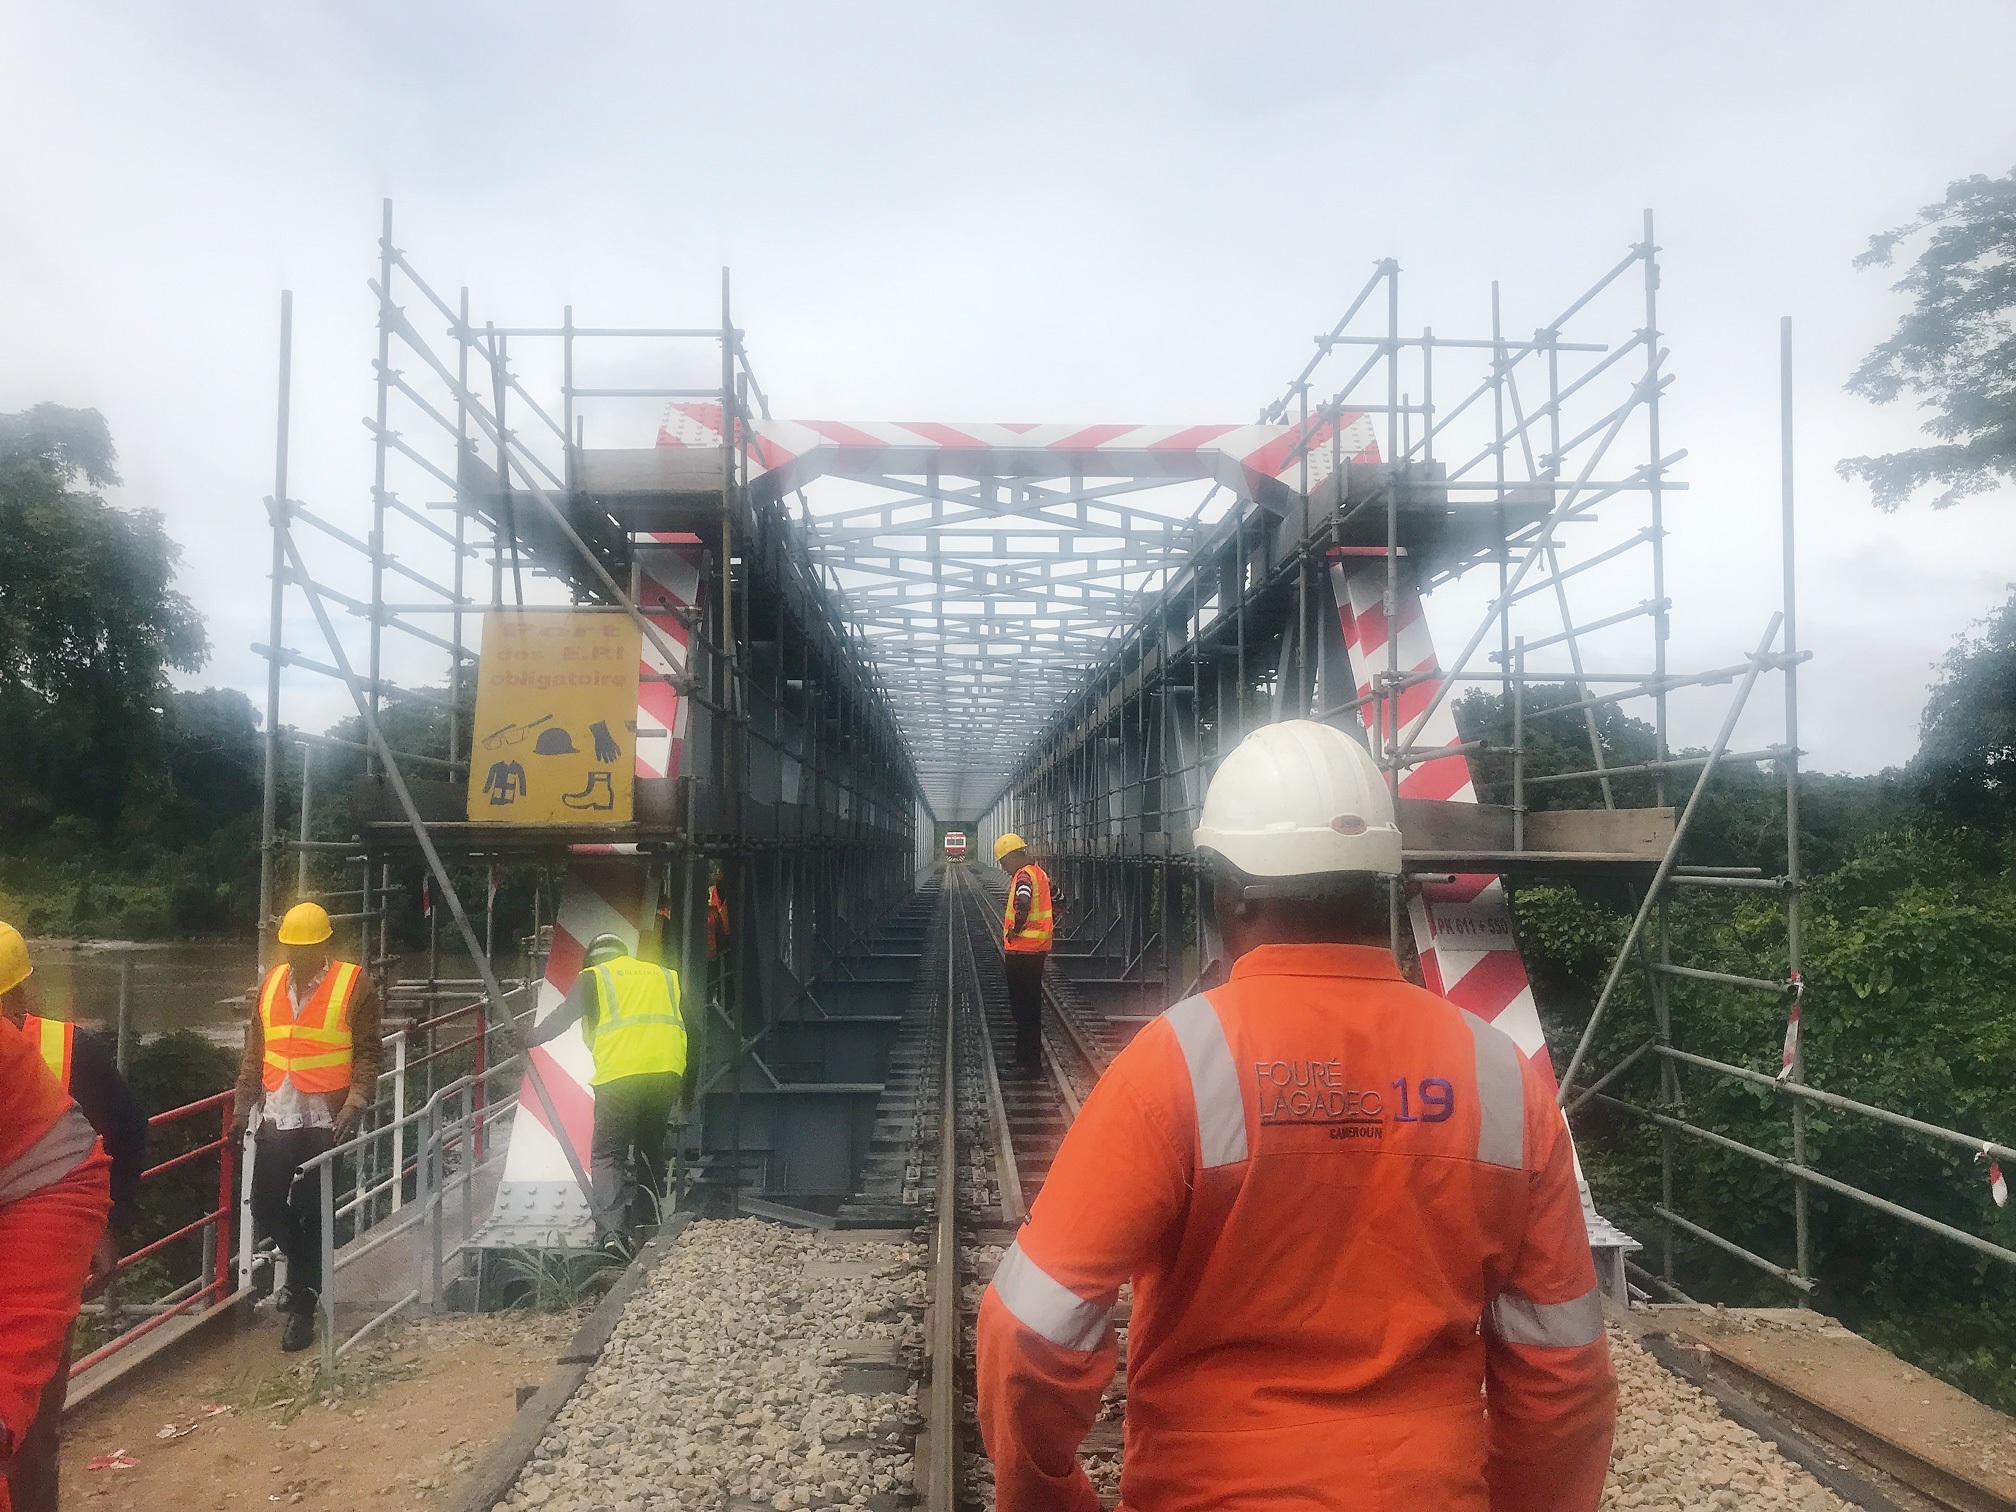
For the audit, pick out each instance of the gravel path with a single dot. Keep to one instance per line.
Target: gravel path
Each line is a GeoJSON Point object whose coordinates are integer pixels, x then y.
{"type": "Point", "coordinates": [724, 1382]}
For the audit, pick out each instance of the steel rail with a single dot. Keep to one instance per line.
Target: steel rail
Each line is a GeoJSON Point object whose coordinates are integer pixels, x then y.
{"type": "Point", "coordinates": [1007, 1170]}
{"type": "Point", "coordinates": [941, 1479]}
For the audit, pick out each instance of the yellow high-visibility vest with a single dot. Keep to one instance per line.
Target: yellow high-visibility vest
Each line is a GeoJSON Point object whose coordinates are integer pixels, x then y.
{"type": "Point", "coordinates": [313, 1050]}
{"type": "Point", "coordinates": [1035, 934]}
{"type": "Point", "coordinates": [638, 1028]}
{"type": "Point", "coordinates": [56, 1040]}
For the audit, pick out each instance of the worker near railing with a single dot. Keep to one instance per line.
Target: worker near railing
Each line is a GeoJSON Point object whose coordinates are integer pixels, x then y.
{"type": "Point", "coordinates": [55, 1193]}
{"type": "Point", "coordinates": [85, 1068]}
{"type": "Point", "coordinates": [309, 1071]}
{"type": "Point", "coordinates": [1028, 926]}
{"type": "Point", "coordinates": [1347, 1207]}
{"type": "Point", "coordinates": [630, 1015]}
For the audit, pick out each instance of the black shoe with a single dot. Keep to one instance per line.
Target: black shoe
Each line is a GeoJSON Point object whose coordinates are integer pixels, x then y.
{"type": "Point", "coordinates": [297, 1332]}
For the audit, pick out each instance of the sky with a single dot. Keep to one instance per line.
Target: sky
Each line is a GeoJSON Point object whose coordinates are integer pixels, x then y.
{"type": "Point", "coordinates": [1047, 213]}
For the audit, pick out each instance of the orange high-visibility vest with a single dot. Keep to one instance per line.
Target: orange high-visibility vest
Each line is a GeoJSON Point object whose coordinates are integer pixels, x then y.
{"type": "Point", "coordinates": [313, 1051]}
{"type": "Point", "coordinates": [717, 922]}
{"type": "Point", "coordinates": [55, 1039]}
{"type": "Point", "coordinates": [1036, 933]}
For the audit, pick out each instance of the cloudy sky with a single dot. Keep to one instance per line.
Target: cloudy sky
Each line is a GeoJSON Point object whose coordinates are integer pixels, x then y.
{"type": "Point", "coordinates": [1074, 213]}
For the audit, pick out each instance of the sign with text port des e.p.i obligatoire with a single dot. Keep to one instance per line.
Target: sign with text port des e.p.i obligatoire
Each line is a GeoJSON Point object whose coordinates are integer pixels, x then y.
{"type": "Point", "coordinates": [556, 715]}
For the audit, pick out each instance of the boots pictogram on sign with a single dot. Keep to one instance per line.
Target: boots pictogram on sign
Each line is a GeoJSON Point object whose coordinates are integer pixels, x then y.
{"type": "Point", "coordinates": [599, 794]}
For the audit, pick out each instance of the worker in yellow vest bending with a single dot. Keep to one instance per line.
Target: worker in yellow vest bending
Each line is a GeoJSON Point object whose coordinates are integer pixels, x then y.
{"type": "Point", "coordinates": [629, 1014]}
{"type": "Point", "coordinates": [310, 1070]}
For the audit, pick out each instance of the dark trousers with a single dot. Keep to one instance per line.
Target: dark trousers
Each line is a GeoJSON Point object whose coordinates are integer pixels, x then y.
{"type": "Point", "coordinates": [288, 1211]}
{"type": "Point", "coordinates": [32, 1476]}
{"type": "Point", "coordinates": [1025, 1006]}
{"type": "Point", "coordinates": [627, 1155]}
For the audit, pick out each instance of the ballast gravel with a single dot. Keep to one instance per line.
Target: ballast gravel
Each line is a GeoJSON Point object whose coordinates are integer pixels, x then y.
{"type": "Point", "coordinates": [1675, 1450]}
{"type": "Point", "coordinates": [722, 1384]}
{"type": "Point", "coordinates": [722, 1387]}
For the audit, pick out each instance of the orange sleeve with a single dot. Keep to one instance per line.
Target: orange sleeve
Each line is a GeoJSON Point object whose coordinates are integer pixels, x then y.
{"type": "Point", "coordinates": [46, 1239]}
{"type": "Point", "coordinates": [1046, 1347]}
{"type": "Point", "coordinates": [1547, 1376]}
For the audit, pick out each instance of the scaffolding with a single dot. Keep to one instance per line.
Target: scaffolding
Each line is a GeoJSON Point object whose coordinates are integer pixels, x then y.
{"type": "Point", "coordinates": [770, 779]}
{"type": "Point", "coordinates": [1061, 629]}
{"type": "Point", "coordinates": [1538, 464]}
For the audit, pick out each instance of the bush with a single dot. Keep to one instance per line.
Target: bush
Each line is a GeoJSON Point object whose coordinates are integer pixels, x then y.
{"type": "Point", "coordinates": [1910, 947]}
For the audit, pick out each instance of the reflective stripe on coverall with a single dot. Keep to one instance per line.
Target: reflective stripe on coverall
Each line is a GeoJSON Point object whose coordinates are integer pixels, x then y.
{"type": "Point", "coordinates": [57, 1041]}
{"type": "Point", "coordinates": [1350, 1215]}
{"type": "Point", "coordinates": [55, 1192]}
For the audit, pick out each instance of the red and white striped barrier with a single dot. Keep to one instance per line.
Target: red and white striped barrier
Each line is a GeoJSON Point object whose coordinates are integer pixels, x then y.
{"type": "Point", "coordinates": [1463, 928]}
{"type": "Point", "coordinates": [1262, 462]}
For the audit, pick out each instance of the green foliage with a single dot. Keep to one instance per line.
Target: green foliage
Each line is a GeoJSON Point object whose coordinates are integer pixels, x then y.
{"type": "Point", "coordinates": [90, 626]}
{"type": "Point", "coordinates": [1966, 763]}
{"type": "Point", "coordinates": [192, 869]}
{"type": "Point", "coordinates": [1910, 946]}
{"type": "Point", "coordinates": [1955, 352]}
{"type": "Point", "coordinates": [1742, 819]}
{"type": "Point", "coordinates": [556, 1280]}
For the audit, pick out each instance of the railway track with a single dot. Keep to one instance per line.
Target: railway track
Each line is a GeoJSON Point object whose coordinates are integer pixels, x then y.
{"type": "Point", "coordinates": [997, 1148]}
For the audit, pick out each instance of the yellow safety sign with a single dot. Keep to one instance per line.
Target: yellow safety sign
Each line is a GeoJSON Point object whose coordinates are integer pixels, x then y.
{"type": "Point", "coordinates": [556, 718]}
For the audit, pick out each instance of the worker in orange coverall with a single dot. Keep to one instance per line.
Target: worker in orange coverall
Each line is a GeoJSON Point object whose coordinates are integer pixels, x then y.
{"type": "Point", "coordinates": [55, 1193]}
{"type": "Point", "coordinates": [1349, 1210]}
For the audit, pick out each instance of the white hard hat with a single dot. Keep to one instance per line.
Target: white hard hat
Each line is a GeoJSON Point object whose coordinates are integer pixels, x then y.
{"type": "Point", "coordinates": [1300, 799]}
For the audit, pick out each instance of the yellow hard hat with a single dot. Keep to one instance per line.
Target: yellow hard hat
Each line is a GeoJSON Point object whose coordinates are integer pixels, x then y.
{"type": "Point", "coordinates": [14, 964]}
{"type": "Point", "coordinates": [305, 924]}
{"type": "Point", "coordinates": [1009, 842]}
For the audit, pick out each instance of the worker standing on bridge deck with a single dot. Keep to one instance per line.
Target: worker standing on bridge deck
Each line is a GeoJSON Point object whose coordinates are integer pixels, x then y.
{"type": "Point", "coordinates": [630, 1016]}
{"type": "Point", "coordinates": [1348, 1209]}
{"type": "Point", "coordinates": [86, 1070]}
{"type": "Point", "coordinates": [310, 1069]}
{"type": "Point", "coordinates": [55, 1191]}
{"type": "Point", "coordinates": [1028, 925]}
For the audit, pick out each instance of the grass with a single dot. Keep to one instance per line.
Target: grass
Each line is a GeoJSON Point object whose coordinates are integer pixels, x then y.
{"type": "Point", "coordinates": [292, 1391]}
{"type": "Point", "coordinates": [556, 1280]}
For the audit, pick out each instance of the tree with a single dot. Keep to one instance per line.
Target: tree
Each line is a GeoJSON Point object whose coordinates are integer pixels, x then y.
{"type": "Point", "coordinates": [1955, 352]}
{"type": "Point", "coordinates": [90, 626]}
{"type": "Point", "coordinates": [1966, 763]}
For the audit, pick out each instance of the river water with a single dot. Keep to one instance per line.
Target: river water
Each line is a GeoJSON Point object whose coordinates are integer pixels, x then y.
{"type": "Point", "coordinates": [167, 986]}
{"type": "Point", "coordinates": [178, 986]}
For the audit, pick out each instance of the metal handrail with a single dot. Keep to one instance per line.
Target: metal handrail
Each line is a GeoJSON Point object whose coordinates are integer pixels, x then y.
{"type": "Point", "coordinates": [434, 1138]}
{"type": "Point", "coordinates": [213, 1277]}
